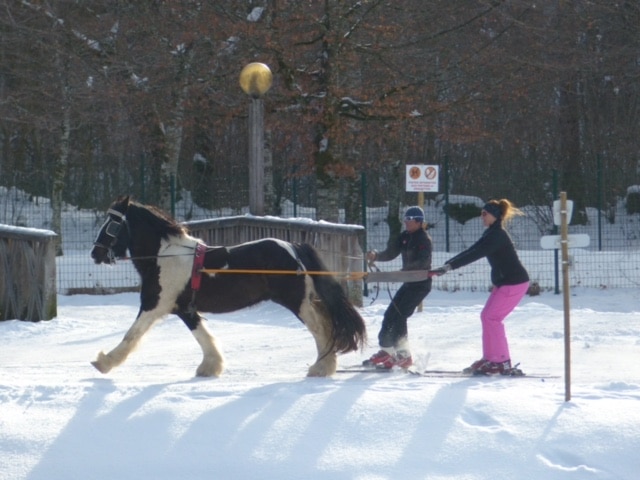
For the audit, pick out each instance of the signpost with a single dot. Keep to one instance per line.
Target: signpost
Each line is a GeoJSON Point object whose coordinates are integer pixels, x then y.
{"type": "Point", "coordinates": [422, 178]}
{"type": "Point", "coordinates": [562, 210]}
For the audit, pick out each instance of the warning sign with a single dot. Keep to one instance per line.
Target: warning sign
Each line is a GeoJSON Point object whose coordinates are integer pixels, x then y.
{"type": "Point", "coordinates": [422, 178]}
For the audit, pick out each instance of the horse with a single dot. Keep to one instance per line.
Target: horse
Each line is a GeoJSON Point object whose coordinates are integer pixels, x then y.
{"type": "Point", "coordinates": [173, 270]}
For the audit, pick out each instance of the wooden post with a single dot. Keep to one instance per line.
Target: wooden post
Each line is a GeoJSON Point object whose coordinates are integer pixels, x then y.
{"type": "Point", "coordinates": [27, 274]}
{"type": "Point", "coordinates": [564, 243]}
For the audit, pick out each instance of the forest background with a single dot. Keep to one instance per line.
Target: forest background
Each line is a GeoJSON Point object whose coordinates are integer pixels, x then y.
{"type": "Point", "coordinates": [100, 98]}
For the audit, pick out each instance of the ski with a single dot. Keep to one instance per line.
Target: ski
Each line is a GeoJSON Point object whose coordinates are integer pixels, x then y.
{"type": "Point", "coordinates": [368, 370]}
{"type": "Point", "coordinates": [439, 373]}
{"type": "Point", "coordinates": [456, 373]}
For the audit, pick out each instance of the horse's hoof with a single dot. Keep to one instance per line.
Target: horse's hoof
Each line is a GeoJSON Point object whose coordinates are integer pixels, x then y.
{"type": "Point", "coordinates": [209, 370]}
{"type": "Point", "coordinates": [99, 367]}
{"type": "Point", "coordinates": [325, 367]}
{"type": "Point", "coordinates": [316, 371]}
{"type": "Point", "coordinates": [102, 363]}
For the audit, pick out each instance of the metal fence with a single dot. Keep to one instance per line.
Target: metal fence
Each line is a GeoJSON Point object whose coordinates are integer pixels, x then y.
{"type": "Point", "coordinates": [612, 260]}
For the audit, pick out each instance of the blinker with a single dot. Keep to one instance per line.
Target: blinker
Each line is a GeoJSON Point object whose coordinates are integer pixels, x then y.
{"type": "Point", "coordinates": [113, 228]}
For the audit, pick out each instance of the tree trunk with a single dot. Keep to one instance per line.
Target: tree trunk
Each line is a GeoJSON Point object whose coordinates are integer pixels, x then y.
{"type": "Point", "coordinates": [62, 159]}
{"type": "Point", "coordinates": [396, 174]}
{"type": "Point", "coordinates": [327, 207]}
{"type": "Point", "coordinates": [59, 178]}
{"type": "Point", "coordinates": [572, 176]}
{"type": "Point", "coordinates": [172, 133]}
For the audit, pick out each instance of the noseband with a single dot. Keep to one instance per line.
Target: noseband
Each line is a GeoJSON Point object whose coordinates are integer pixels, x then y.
{"type": "Point", "coordinates": [112, 229]}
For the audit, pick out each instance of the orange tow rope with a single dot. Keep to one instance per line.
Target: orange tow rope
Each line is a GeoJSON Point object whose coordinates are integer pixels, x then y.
{"type": "Point", "coordinates": [347, 275]}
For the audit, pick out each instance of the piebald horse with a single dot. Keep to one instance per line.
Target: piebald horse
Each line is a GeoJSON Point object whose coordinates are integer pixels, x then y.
{"type": "Point", "coordinates": [169, 262]}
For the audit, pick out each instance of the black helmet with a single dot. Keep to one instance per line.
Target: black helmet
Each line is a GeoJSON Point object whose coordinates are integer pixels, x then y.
{"type": "Point", "coordinates": [414, 213]}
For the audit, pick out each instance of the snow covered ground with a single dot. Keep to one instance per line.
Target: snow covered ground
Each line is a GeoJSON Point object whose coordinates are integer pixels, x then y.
{"type": "Point", "coordinates": [263, 419]}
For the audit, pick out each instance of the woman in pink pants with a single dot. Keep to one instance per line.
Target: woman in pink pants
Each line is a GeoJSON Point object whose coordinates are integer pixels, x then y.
{"type": "Point", "coordinates": [510, 283]}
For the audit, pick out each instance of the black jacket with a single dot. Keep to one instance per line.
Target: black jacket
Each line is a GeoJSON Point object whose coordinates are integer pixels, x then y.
{"type": "Point", "coordinates": [495, 244]}
{"type": "Point", "coordinates": [415, 249]}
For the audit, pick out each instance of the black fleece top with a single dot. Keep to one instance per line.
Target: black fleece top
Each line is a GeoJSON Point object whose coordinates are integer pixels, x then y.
{"type": "Point", "coordinates": [415, 249]}
{"type": "Point", "coordinates": [495, 244]}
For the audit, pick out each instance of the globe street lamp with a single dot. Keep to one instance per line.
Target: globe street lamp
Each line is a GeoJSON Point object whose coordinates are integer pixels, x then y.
{"type": "Point", "coordinates": [255, 81]}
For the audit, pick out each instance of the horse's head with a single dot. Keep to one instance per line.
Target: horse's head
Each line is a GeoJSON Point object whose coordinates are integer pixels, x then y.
{"type": "Point", "coordinates": [113, 238]}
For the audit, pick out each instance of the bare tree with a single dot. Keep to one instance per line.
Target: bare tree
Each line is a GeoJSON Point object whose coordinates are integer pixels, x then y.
{"type": "Point", "coordinates": [507, 90]}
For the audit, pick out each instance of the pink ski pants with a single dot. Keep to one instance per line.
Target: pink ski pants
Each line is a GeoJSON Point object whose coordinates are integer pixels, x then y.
{"type": "Point", "coordinates": [500, 303]}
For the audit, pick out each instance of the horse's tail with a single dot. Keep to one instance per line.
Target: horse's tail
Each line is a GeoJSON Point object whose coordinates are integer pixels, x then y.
{"type": "Point", "coordinates": [349, 331]}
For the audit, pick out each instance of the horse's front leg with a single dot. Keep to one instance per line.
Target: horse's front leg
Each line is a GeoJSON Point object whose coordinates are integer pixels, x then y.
{"type": "Point", "coordinates": [212, 360]}
{"type": "Point", "coordinates": [144, 321]}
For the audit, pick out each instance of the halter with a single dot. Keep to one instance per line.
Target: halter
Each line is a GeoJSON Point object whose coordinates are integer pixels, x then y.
{"type": "Point", "coordinates": [112, 229]}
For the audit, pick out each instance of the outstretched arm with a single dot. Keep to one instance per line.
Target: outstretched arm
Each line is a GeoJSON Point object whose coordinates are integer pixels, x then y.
{"type": "Point", "coordinates": [436, 272]}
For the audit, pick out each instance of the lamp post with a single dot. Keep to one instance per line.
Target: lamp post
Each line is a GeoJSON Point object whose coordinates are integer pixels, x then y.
{"type": "Point", "coordinates": [255, 81]}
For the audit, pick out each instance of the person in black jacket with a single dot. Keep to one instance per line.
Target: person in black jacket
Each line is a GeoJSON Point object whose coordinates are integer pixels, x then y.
{"type": "Point", "coordinates": [510, 283]}
{"type": "Point", "coordinates": [414, 244]}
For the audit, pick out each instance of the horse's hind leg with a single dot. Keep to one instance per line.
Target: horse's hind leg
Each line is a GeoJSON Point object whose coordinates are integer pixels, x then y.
{"type": "Point", "coordinates": [212, 360]}
{"type": "Point", "coordinates": [327, 361]}
{"type": "Point", "coordinates": [317, 320]}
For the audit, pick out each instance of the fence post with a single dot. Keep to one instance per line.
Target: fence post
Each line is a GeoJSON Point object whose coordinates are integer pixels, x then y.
{"type": "Point", "coordinates": [600, 202]}
{"type": "Point", "coordinates": [294, 188]}
{"type": "Point", "coordinates": [556, 270]}
{"type": "Point", "coordinates": [446, 202]}
{"type": "Point", "coordinates": [365, 246]}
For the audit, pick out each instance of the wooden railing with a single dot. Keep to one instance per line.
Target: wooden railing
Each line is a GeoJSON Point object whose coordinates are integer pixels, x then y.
{"type": "Point", "coordinates": [27, 274]}
{"type": "Point", "coordinates": [338, 245]}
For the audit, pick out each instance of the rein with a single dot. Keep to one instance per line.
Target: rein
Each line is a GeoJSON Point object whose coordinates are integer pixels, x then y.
{"type": "Point", "coordinates": [149, 257]}
{"type": "Point", "coordinates": [374, 268]}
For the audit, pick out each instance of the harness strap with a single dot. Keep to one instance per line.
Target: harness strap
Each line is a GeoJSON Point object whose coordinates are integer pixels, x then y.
{"type": "Point", "coordinates": [111, 211]}
{"type": "Point", "coordinates": [198, 262]}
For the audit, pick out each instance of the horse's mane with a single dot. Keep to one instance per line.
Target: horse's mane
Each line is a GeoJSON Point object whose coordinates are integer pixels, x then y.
{"type": "Point", "coordinates": [159, 221]}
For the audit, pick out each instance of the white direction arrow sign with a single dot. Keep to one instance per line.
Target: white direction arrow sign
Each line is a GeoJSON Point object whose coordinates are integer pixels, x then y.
{"type": "Point", "coordinates": [553, 242]}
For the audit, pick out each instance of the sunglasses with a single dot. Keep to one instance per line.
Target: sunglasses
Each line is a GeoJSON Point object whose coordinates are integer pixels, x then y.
{"type": "Point", "coordinates": [417, 219]}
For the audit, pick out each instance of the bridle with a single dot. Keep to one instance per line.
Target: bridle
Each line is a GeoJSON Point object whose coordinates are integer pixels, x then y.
{"type": "Point", "coordinates": [112, 229]}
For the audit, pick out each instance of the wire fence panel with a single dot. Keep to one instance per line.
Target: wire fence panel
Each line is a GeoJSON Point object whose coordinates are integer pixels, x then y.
{"type": "Point", "coordinates": [612, 260]}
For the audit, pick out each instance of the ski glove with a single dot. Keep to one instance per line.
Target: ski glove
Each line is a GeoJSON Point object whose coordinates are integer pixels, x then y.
{"type": "Point", "coordinates": [436, 272]}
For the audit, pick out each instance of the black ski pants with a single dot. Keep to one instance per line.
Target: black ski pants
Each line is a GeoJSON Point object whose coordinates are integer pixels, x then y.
{"type": "Point", "coordinates": [403, 304]}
